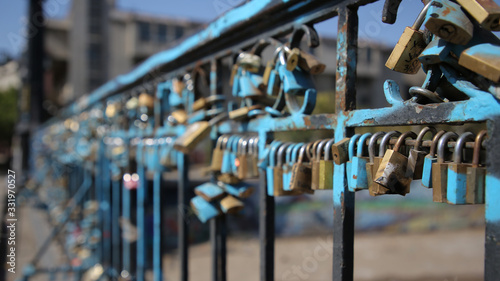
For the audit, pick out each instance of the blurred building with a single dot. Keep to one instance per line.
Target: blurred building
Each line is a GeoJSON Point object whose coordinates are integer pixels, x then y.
{"type": "Point", "coordinates": [98, 42]}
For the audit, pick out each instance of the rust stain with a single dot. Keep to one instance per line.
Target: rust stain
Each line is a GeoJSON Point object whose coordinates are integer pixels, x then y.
{"type": "Point", "coordinates": [354, 177]}
{"type": "Point", "coordinates": [448, 10]}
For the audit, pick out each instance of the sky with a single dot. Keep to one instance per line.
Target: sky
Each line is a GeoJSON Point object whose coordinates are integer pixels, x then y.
{"type": "Point", "coordinates": [13, 17]}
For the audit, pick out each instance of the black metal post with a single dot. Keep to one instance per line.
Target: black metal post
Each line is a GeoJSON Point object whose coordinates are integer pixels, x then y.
{"type": "Point", "coordinates": [183, 207]}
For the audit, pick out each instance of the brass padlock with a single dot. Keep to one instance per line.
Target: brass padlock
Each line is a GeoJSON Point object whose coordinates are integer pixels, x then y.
{"type": "Point", "coordinates": [392, 170]}
{"type": "Point", "coordinates": [404, 57]}
{"type": "Point", "coordinates": [180, 116]}
{"type": "Point", "coordinates": [249, 62]}
{"type": "Point", "coordinates": [310, 63]}
{"type": "Point", "coordinates": [301, 172]}
{"type": "Point", "coordinates": [206, 102]}
{"type": "Point", "coordinates": [486, 12]}
{"type": "Point", "coordinates": [457, 172]}
{"type": "Point", "coordinates": [416, 156]}
{"type": "Point", "coordinates": [195, 133]}
{"type": "Point", "coordinates": [380, 189]}
{"type": "Point", "coordinates": [278, 174]}
{"type": "Point", "coordinates": [476, 174]}
{"type": "Point", "coordinates": [228, 178]}
{"type": "Point", "coordinates": [242, 112]}
{"type": "Point", "coordinates": [241, 159]}
{"type": "Point", "coordinates": [253, 156]}
{"type": "Point", "coordinates": [292, 58]}
{"type": "Point", "coordinates": [217, 154]}
{"type": "Point", "coordinates": [371, 168]}
{"type": "Point", "coordinates": [281, 160]}
{"type": "Point", "coordinates": [231, 205]}
{"type": "Point", "coordinates": [317, 151]}
{"type": "Point", "coordinates": [340, 151]}
{"type": "Point", "coordinates": [447, 21]}
{"type": "Point", "coordinates": [440, 169]}
{"type": "Point", "coordinates": [147, 101]}
{"type": "Point", "coordinates": [483, 59]}
{"type": "Point", "coordinates": [326, 168]}
{"type": "Point", "coordinates": [178, 86]}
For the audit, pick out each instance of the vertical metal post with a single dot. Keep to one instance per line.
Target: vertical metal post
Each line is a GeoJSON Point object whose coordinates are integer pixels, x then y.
{"type": "Point", "coordinates": [182, 206]}
{"type": "Point", "coordinates": [343, 200]}
{"type": "Point", "coordinates": [157, 218]}
{"type": "Point", "coordinates": [98, 192]}
{"type": "Point", "coordinates": [492, 206]}
{"type": "Point", "coordinates": [126, 214]}
{"type": "Point", "coordinates": [115, 224]}
{"type": "Point", "coordinates": [266, 221]}
{"type": "Point", "coordinates": [106, 219]}
{"type": "Point", "coordinates": [141, 226]}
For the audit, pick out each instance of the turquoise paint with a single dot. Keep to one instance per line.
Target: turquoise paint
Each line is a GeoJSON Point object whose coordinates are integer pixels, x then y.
{"type": "Point", "coordinates": [203, 209]}
{"type": "Point", "coordinates": [210, 190]}
{"type": "Point", "coordinates": [492, 199]}
{"type": "Point", "coordinates": [456, 187]}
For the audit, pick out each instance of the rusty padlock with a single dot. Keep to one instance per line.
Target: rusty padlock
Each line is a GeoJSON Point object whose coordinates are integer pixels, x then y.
{"type": "Point", "coordinates": [440, 169]}
{"type": "Point", "coordinates": [476, 174]}
{"type": "Point", "coordinates": [416, 156]}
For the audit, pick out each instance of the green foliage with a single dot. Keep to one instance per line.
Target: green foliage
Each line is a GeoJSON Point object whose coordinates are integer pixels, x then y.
{"type": "Point", "coordinates": [8, 113]}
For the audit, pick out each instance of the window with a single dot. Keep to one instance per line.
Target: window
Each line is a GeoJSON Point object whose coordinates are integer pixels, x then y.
{"type": "Point", "coordinates": [144, 31]}
{"type": "Point", "coordinates": [179, 32]}
{"type": "Point", "coordinates": [161, 33]}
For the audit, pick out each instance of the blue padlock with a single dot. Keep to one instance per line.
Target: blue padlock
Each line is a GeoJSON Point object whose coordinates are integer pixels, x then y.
{"type": "Point", "coordinates": [429, 160]}
{"type": "Point", "coordinates": [352, 144]}
{"type": "Point", "coordinates": [279, 184]}
{"type": "Point", "coordinates": [457, 172]}
{"type": "Point", "coordinates": [249, 84]}
{"type": "Point", "coordinates": [359, 178]}
{"type": "Point", "coordinates": [234, 155]}
{"type": "Point", "coordinates": [226, 157]}
{"type": "Point", "coordinates": [272, 165]}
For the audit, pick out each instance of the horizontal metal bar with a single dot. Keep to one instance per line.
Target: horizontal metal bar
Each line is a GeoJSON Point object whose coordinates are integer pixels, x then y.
{"type": "Point", "coordinates": [428, 143]}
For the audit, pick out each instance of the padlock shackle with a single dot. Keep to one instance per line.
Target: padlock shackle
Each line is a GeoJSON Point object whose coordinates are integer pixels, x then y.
{"type": "Point", "coordinates": [361, 144]}
{"type": "Point", "coordinates": [352, 145]}
{"type": "Point", "coordinates": [313, 151]}
{"type": "Point", "coordinates": [420, 137]}
{"type": "Point", "coordinates": [220, 140]}
{"type": "Point", "coordinates": [328, 149]}
{"type": "Point", "coordinates": [235, 144]}
{"type": "Point", "coordinates": [385, 140]}
{"type": "Point", "coordinates": [435, 141]}
{"type": "Point", "coordinates": [309, 149]}
{"type": "Point", "coordinates": [402, 138]}
{"type": "Point", "coordinates": [242, 145]}
{"type": "Point", "coordinates": [288, 153]}
{"type": "Point", "coordinates": [457, 153]}
{"type": "Point", "coordinates": [372, 144]}
{"type": "Point", "coordinates": [477, 147]}
{"type": "Point", "coordinates": [298, 34]}
{"type": "Point", "coordinates": [272, 152]}
{"type": "Point", "coordinates": [320, 148]}
{"type": "Point", "coordinates": [295, 152]}
{"type": "Point", "coordinates": [262, 44]}
{"type": "Point", "coordinates": [281, 151]}
{"type": "Point", "coordinates": [443, 141]}
{"type": "Point", "coordinates": [302, 152]}
{"type": "Point", "coordinates": [421, 17]}
{"type": "Point", "coordinates": [224, 139]}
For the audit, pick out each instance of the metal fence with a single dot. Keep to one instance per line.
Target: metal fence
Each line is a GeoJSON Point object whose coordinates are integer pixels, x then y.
{"type": "Point", "coordinates": [103, 146]}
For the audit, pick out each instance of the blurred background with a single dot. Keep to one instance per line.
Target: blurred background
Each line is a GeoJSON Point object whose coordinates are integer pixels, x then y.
{"type": "Point", "coordinates": [88, 42]}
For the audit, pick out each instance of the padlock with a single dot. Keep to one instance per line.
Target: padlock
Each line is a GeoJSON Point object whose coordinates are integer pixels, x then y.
{"type": "Point", "coordinates": [317, 150]}
{"type": "Point", "coordinates": [287, 166]}
{"type": "Point", "coordinates": [209, 191]}
{"type": "Point", "coordinates": [226, 167]}
{"type": "Point", "coordinates": [233, 154]}
{"type": "Point", "coordinates": [204, 210]}
{"type": "Point", "coordinates": [231, 205]}
{"type": "Point", "coordinates": [273, 147]}
{"type": "Point", "coordinates": [359, 179]}
{"type": "Point", "coordinates": [178, 86]}
{"type": "Point", "coordinates": [483, 59]}
{"type": "Point", "coordinates": [195, 133]}
{"type": "Point", "coordinates": [392, 170]}
{"type": "Point", "coordinates": [348, 166]}
{"type": "Point", "coordinates": [241, 159]}
{"type": "Point", "coordinates": [217, 154]}
{"type": "Point", "coordinates": [440, 169]}
{"type": "Point", "coordinates": [206, 102]}
{"type": "Point", "coordinates": [249, 62]}
{"type": "Point", "coordinates": [278, 171]}
{"type": "Point", "coordinates": [147, 101]}
{"type": "Point", "coordinates": [301, 173]}
{"type": "Point", "coordinates": [250, 85]}
{"type": "Point", "coordinates": [457, 172]}
{"type": "Point", "coordinates": [486, 12]}
{"type": "Point", "coordinates": [404, 57]}
{"type": "Point", "coordinates": [476, 174]}
{"type": "Point", "coordinates": [253, 156]}
{"type": "Point", "coordinates": [371, 166]}
{"type": "Point", "coordinates": [180, 116]}
{"type": "Point", "coordinates": [292, 59]}
{"type": "Point", "coordinates": [240, 190]}
{"type": "Point", "coordinates": [310, 63]}
{"type": "Point", "coordinates": [416, 156]}
{"type": "Point", "coordinates": [326, 168]}
{"type": "Point", "coordinates": [340, 151]}
{"type": "Point", "coordinates": [430, 159]}
{"type": "Point", "coordinates": [447, 21]}
{"type": "Point", "coordinates": [242, 112]}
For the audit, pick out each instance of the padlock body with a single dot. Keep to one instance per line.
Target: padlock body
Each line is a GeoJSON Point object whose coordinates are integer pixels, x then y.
{"type": "Point", "coordinates": [239, 114]}
{"type": "Point", "coordinates": [404, 57]}
{"type": "Point", "coordinates": [325, 175]}
{"type": "Point", "coordinates": [287, 171]}
{"type": "Point", "coordinates": [483, 59]}
{"type": "Point", "coordinates": [486, 12]}
{"type": "Point", "coordinates": [203, 209]}
{"type": "Point", "coordinates": [270, 180]}
{"type": "Point", "coordinates": [249, 85]}
{"type": "Point", "coordinates": [310, 63]}
{"type": "Point", "coordinates": [193, 135]}
{"type": "Point", "coordinates": [301, 177]}
{"type": "Point", "coordinates": [228, 178]}
{"type": "Point", "coordinates": [415, 166]}
{"type": "Point", "coordinates": [231, 205]}
{"type": "Point", "coordinates": [374, 188]}
{"type": "Point", "coordinates": [180, 116]}
{"type": "Point", "coordinates": [314, 174]}
{"type": "Point", "coordinates": [457, 183]}
{"type": "Point", "coordinates": [296, 81]}
{"type": "Point", "coordinates": [359, 176]}
{"type": "Point", "coordinates": [226, 167]}
{"type": "Point", "coordinates": [427, 171]}
{"type": "Point", "coordinates": [449, 23]}
{"type": "Point", "coordinates": [274, 84]}
{"type": "Point", "coordinates": [476, 178]}
{"type": "Point", "coordinates": [391, 173]}
{"type": "Point", "coordinates": [217, 155]}
{"type": "Point", "coordinates": [439, 182]}
{"type": "Point", "coordinates": [278, 181]}
{"type": "Point", "coordinates": [242, 167]}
